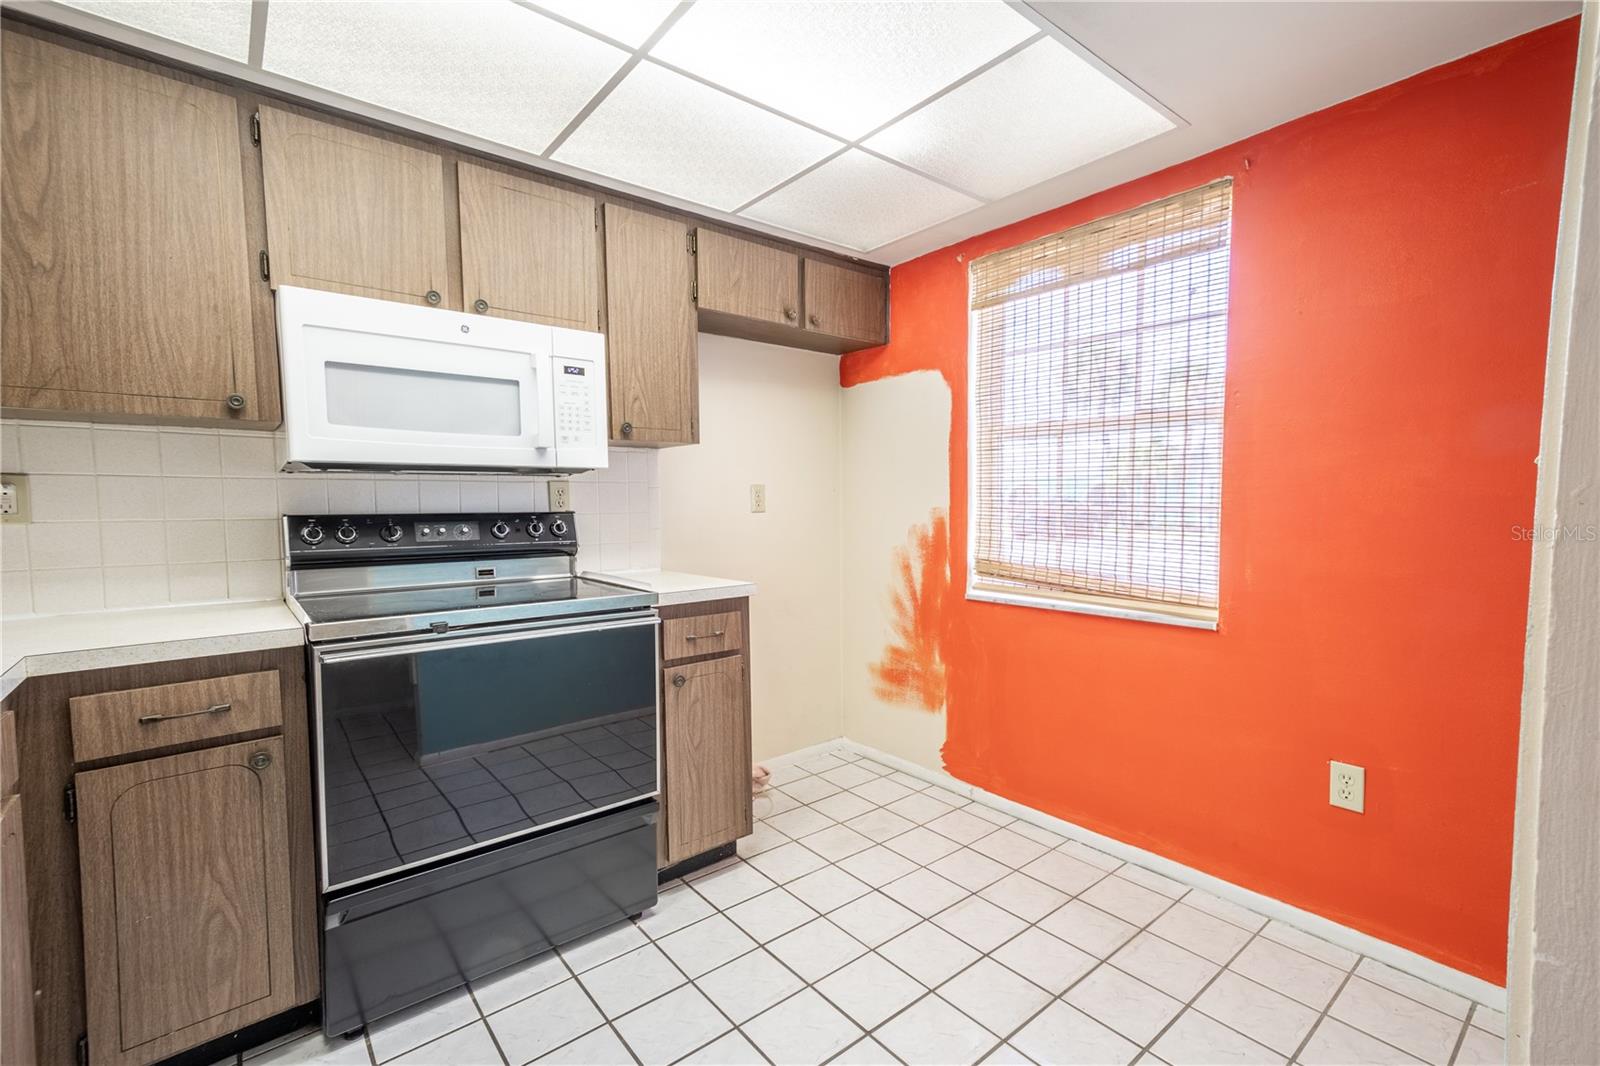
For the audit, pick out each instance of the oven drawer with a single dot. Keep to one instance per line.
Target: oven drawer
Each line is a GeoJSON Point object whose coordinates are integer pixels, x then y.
{"type": "Point", "coordinates": [701, 634]}
{"type": "Point", "coordinates": [137, 719]}
{"type": "Point", "coordinates": [387, 948]}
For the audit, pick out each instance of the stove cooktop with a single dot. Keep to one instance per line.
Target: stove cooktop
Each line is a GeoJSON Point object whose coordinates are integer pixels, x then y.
{"type": "Point", "coordinates": [363, 576]}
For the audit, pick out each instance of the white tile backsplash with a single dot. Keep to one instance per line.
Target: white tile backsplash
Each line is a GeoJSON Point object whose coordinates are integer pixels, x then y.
{"type": "Point", "coordinates": [135, 516]}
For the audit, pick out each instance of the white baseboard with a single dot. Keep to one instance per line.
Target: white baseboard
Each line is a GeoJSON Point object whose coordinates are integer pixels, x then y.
{"type": "Point", "coordinates": [1403, 959]}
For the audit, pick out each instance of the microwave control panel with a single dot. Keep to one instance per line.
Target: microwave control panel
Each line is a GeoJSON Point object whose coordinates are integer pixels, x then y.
{"type": "Point", "coordinates": [575, 406]}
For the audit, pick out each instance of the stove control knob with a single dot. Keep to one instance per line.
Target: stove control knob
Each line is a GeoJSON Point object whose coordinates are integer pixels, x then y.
{"type": "Point", "coordinates": [535, 528]}
{"type": "Point", "coordinates": [345, 534]}
{"type": "Point", "coordinates": [463, 531]}
{"type": "Point", "coordinates": [559, 527]}
{"type": "Point", "coordinates": [499, 530]}
{"type": "Point", "coordinates": [312, 533]}
{"type": "Point", "coordinates": [390, 533]}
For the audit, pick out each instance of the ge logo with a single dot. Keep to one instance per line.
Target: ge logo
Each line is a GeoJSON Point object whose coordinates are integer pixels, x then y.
{"type": "Point", "coordinates": [466, 329]}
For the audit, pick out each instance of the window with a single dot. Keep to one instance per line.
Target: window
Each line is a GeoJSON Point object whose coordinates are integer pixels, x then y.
{"type": "Point", "coordinates": [1097, 393]}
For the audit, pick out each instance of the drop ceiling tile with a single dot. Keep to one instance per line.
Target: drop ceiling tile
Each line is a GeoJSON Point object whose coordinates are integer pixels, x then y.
{"type": "Point", "coordinates": [660, 130]}
{"type": "Point", "coordinates": [222, 28]}
{"type": "Point", "coordinates": [1040, 113]}
{"type": "Point", "coordinates": [844, 67]}
{"type": "Point", "coordinates": [859, 201]}
{"type": "Point", "coordinates": [628, 21]}
{"type": "Point", "coordinates": [490, 68]}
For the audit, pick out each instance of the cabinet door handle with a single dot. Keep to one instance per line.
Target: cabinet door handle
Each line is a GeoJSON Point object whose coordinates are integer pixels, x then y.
{"type": "Point", "coordinates": [813, 320]}
{"type": "Point", "coordinates": [432, 296]}
{"type": "Point", "coordinates": [712, 635]}
{"type": "Point", "coordinates": [788, 313]}
{"type": "Point", "coordinates": [216, 708]}
{"type": "Point", "coordinates": [678, 680]}
{"type": "Point", "coordinates": [480, 306]}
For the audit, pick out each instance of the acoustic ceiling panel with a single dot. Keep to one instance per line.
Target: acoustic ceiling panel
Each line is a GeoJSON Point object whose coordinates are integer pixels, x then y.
{"type": "Point", "coordinates": [859, 201]}
{"type": "Point", "coordinates": [660, 130]}
{"type": "Point", "coordinates": [1039, 113]}
{"type": "Point", "coordinates": [844, 67]}
{"type": "Point", "coordinates": [221, 27]}
{"type": "Point", "coordinates": [629, 21]}
{"type": "Point", "coordinates": [490, 68]}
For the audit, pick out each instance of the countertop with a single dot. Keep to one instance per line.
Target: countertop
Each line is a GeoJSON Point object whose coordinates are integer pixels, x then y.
{"type": "Point", "coordinates": [673, 587]}
{"type": "Point", "coordinates": [93, 640]}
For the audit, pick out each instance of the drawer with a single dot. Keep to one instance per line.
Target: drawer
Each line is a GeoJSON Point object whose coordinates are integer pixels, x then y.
{"type": "Point", "coordinates": [137, 719]}
{"type": "Point", "coordinates": [701, 634]}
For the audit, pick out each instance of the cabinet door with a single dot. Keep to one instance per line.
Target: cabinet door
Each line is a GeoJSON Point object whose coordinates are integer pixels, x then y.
{"type": "Point", "coordinates": [353, 213]}
{"type": "Point", "coordinates": [126, 269]}
{"type": "Point", "coordinates": [706, 734]}
{"type": "Point", "coordinates": [845, 303]}
{"type": "Point", "coordinates": [651, 347]}
{"type": "Point", "coordinates": [16, 962]}
{"type": "Point", "coordinates": [184, 863]}
{"type": "Point", "coordinates": [528, 250]}
{"type": "Point", "coordinates": [750, 280]}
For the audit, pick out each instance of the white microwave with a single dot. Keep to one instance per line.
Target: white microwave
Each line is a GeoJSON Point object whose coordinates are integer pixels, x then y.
{"type": "Point", "coordinates": [375, 385]}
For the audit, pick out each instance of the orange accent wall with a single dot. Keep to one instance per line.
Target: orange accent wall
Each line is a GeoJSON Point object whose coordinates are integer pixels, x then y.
{"type": "Point", "coordinates": [1392, 267]}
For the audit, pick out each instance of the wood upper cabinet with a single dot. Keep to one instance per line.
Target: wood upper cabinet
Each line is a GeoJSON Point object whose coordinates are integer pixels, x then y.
{"type": "Point", "coordinates": [127, 271]}
{"type": "Point", "coordinates": [844, 303]}
{"type": "Point", "coordinates": [354, 212]}
{"type": "Point", "coordinates": [529, 250]}
{"type": "Point", "coordinates": [186, 898]}
{"type": "Point", "coordinates": [652, 353]}
{"type": "Point", "coordinates": [706, 737]}
{"type": "Point", "coordinates": [750, 280]}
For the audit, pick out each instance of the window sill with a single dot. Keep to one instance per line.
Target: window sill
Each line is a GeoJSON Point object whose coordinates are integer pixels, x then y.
{"type": "Point", "coordinates": [1015, 597]}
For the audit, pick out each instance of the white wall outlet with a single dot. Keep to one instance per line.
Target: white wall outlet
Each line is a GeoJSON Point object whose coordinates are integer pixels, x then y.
{"type": "Point", "coordinates": [13, 497]}
{"type": "Point", "coordinates": [1347, 786]}
{"type": "Point", "coordinates": [560, 494]}
{"type": "Point", "coordinates": [758, 499]}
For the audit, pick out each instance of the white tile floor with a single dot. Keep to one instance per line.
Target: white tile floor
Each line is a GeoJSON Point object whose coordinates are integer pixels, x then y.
{"type": "Point", "coordinates": [871, 918]}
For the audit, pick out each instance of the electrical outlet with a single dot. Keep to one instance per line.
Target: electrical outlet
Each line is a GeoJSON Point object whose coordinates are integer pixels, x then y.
{"type": "Point", "coordinates": [560, 495]}
{"type": "Point", "coordinates": [1347, 786]}
{"type": "Point", "coordinates": [758, 499]}
{"type": "Point", "coordinates": [13, 497]}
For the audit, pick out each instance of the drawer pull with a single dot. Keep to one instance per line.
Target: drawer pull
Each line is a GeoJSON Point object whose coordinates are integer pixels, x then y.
{"type": "Point", "coordinates": [216, 708]}
{"type": "Point", "coordinates": [714, 635]}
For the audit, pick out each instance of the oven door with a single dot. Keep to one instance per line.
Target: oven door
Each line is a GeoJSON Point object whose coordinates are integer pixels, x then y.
{"type": "Point", "coordinates": [434, 746]}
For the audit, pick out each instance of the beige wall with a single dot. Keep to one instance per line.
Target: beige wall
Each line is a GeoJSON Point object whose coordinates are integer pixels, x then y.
{"type": "Point", "coordinates": [896, 479]}
{"type": "Point", "coordinates": [768, 415]}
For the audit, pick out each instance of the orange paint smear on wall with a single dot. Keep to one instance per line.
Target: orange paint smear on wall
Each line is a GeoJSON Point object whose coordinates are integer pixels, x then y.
{"type": "Point", "coordinates": [912, 668]}
{"type": "Point", "coordinates": [1392, 267]}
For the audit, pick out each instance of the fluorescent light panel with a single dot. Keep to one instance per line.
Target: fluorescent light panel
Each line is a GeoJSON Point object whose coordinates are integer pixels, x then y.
{"type": "Point", "coordinates": [221, 27]}
{"type": "Point", "coordinates": [490, 68]}
{"type": "Point", "coordinates": [859, 201]}
{"type": "Point", "coordinates": [660, 130]}
{"type": "Point", "coordinates": [628, 21]}
{"type": "Point", "coordinates": [844, 67]}
{"type": "Point", "coordinates": [1042, 112]}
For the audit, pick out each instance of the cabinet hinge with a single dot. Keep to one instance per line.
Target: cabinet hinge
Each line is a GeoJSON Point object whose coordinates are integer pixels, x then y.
{"type": "Point", "coordinates": [255, 128]}
{"type": "Point", "coordinates": [266, 266]}
{"type": "Point", "coordinates": [694, 292]}
{"type": "Point", "coordinates": [83, 1049]}
{"type": "Point", "coordinates": [69, 803]}
{"type": "Point", "coordinates": [596, 216]}
{"type": "Point", "coordinates": [694, 245]}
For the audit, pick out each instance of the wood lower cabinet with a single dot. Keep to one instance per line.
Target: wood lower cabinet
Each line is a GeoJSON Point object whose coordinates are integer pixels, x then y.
{"type": "Point", "coordinates": [171, 876]}
{"type": "Point", "coordinates": [705, 730]}
{"type": "Point", "coordinates": [529, 250]}
{"type": "Point", "coordinates": [354, 212]}
{"type": "Point", "coordinates": [652, 353]}
{"type": "Point", "coordinates": [16, 958]}
{"type": "Point", "coordinates": [848, 304]}
{"type": "Point", "coordinates": [127, 268]}
{"type": "Point", "coordinates": [186, 924]}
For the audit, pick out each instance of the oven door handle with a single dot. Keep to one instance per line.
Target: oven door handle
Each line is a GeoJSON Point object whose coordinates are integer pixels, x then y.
{"type": "Point", "coordinates": [468, 640]}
